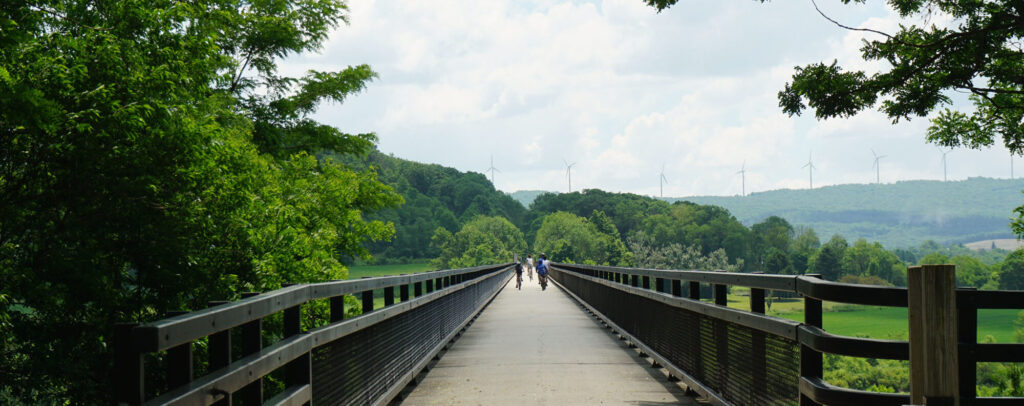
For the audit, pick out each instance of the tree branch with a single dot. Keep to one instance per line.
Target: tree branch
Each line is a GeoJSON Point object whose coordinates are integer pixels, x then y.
{"type": "Point", "coordinates": [815, 3]}
{"type": "Point", "coordinates": [238, 78]}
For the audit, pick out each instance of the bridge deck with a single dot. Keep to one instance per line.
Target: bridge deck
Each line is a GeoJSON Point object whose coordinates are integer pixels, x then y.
{"type": "Point", "coordinates": [537, 347]}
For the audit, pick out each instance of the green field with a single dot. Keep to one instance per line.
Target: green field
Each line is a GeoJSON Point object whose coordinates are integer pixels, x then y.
{"type": "Point", "coordinates": [359, 271]}
{"type": "Point", "coordinates": [879, 321]}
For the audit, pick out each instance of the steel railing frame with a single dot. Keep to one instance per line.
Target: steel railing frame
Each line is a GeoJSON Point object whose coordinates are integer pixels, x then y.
{"type": "Point", "coordinates": [176, 334]}
{"type": "Point", "coordinates": [813, 339]}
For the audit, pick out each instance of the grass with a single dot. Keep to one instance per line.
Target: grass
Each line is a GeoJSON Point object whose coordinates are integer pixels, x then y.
{"type": "Point", "coordinates": [360, 271]}
{"type": "Point", "coordinates": [878, 321]}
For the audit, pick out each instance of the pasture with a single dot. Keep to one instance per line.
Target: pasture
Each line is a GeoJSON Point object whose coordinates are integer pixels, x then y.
{"type": "Point", "coordinates": [878, 321]}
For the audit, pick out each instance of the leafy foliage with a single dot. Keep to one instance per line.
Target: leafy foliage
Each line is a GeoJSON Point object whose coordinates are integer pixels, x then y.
{"type": "Point", "coordinates": [435, 196]}
{"type": "Point", "coordinates": [954, 212]}
{"type": "Point", "coordinates": [628, 211]}
{"type": "Point", "coordinates": [566, 237]}
{"type": "Point", "coordinates": [648, 254]}
{"type": "Point", "coordinates": [484, 240]}
{"type": "Point", "coordinates": [152, 159]}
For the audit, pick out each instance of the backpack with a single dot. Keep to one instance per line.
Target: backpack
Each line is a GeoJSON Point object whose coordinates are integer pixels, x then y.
{"type": "Point", "coordinates": [542, 267]}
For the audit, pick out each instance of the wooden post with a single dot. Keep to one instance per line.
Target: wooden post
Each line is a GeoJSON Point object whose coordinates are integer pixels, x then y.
{"type": "Point", "coordinates": [403, 293]}
{"type": "Point", "coordinates": [337, 308]}
{"type": "Point", "coordinates": [367, 301]}
{"type": "Point", "coordinates": [967, 324]}
{"type": "Point", "coordinates": [220, 353]}
{"type": "Point", "coordinates": [129, 374]}
{"type": "Point", "coordinates": [252, 342]}
{"type": "Point", "coordinates": [179, 361]}
{"type": "Point", "coordinates": [931, 310]}
{"type": "Point", "coordinates": [811, 362]}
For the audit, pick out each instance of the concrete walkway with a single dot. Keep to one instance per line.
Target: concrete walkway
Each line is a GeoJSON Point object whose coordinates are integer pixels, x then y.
{"type": "Point", "coordinates": [533, 347]}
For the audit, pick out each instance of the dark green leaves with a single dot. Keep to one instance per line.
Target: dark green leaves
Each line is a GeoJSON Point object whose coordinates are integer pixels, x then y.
{"type": "Point", "coordinates": [141, 172]}
{"type": "Point", "coordinates": [828, 90]}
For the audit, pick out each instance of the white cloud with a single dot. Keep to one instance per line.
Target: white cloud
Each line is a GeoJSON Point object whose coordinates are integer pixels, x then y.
{"type": "Point", "coordinates": [621, 90]}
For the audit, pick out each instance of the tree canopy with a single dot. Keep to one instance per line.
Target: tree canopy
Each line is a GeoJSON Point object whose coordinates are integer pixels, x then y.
{"type": "Point", "coordinates": [435, 196]}
{"type": "Point", "coordinates": [152, 159]}
{"type": "Point", "coordinates": [483, 240]}
{"type": "Point", "coordinates": [566, 237]}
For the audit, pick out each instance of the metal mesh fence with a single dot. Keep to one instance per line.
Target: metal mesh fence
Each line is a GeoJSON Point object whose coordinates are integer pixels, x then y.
{"type": "Point", "coordinates": [363, 366]}
{"type": "Point", "coordinates": [742, 365]}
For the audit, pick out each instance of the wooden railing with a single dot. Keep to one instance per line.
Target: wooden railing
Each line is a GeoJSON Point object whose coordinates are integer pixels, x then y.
{"type": "Point", "coordinates": [684, 325]}
{"type": "Point", "coordinates": [394, 342]}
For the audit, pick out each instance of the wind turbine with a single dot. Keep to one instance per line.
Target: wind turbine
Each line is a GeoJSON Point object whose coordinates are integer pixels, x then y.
{"type": "Point", "coordinates": [662, 180]}
{"type": "Point", "coordinates": [743, 178]}
{"type": "Point", "coordinates": [877, 167]}
{"type": "Point", "coordinates": [810, 169]}
{"type": "Point", "coordinates": [568, 173]}
{"type": "Point", "coordinates": [492, 169]}
{"type": "Point", "coordinates": [944, 162]}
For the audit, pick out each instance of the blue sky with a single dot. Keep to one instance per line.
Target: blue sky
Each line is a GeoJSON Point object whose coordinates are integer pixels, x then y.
{"type": "Point", "coordinates": [623, 90]}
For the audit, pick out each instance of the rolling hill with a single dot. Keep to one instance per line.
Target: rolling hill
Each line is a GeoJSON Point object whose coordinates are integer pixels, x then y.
{"type": "Point", "coordinates": [897, 215]}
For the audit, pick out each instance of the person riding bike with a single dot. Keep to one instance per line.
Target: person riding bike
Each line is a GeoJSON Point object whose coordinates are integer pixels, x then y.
{"type": "Point", "coordinates": [542, 271]}
{"type": "Point", "coordinates": [529, 267]}
{"type": "Point", "coordinates": [519, 276]}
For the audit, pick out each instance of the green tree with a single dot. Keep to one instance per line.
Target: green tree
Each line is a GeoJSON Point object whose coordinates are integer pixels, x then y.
{"type": "Point", "coordinates": [867, 259]}
{"type": "Point", "coordinates": [970, 271]}
{"type": "Point", "coordinates": [566, 237]}
{"type": "Point", "coordinates": [934, 258]}
{"type": "Point", "coordinates": [708, 227]}
{"type": "Point", "coordinates": [1011, 271]}
{"type": "Point", "coordinates": [771, 244]}
{"type": "Point", "coordinates": [483, 240]}
{"type": "Point", "coordinates": [828, 261]}
{"type": "Point", "coordinates": [648, 254]}
{"type": "Point", "coordinates": [804, 246]}
{"type": "Point", "coordinates": [435, 196]}
{"type": "Point", "coordinates": [777, 262]}
{"type": "Point", "coordinates": [152, 159]}
{"type": "Point", "coordinates": [774, 232]}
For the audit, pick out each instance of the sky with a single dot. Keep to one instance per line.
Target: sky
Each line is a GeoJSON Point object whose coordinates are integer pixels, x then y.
{"type": "Point", "coordinates": [623, 91]}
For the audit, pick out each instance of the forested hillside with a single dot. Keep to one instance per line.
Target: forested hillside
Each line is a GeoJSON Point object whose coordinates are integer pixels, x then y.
{"type": "Point", "coordinates": [897, 215]}
{"type": "Point", "coordinates": [435, 196]}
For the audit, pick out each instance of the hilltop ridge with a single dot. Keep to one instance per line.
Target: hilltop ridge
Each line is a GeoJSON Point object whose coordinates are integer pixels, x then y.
{"type": "Point", "coordinates": [899, 214]}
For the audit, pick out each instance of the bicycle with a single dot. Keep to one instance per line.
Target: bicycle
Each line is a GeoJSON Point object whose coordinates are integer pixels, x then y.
{"type": "Point", "coordinates": [543, 281]}
{"type": "Point", "coordinates": [519, 281]}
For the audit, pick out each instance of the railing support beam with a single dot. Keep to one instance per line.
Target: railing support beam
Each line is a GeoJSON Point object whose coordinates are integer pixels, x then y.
{"type": "Point", "coordinates": [129, 370]}
{"type": "Point", "coordinates": [931, 304]}
{"type": "Point", "coordinates": [252, 342]}
{"type": "Point", "coordinates": [811, 365]}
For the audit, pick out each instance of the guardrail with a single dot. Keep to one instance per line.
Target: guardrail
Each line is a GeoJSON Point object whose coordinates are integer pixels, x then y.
{"type": "Point", "coordinates": [733, 356]}
{"type": "Point", "coordinates": [365, 360]}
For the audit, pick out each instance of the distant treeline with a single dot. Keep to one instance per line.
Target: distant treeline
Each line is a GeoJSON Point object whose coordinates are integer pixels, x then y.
{"type": "Point", "coordinates": [447, 213]}
{"type": "Point", "coordinates": [901, 214]}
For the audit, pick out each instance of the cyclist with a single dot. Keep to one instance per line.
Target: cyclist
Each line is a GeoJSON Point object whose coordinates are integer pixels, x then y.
{"type": "Point", "coordinates": [542, 271]}
{"type": "Point", "coordinates": [529, 267]}
{"type": "Point", "coordinates": [519, 275]}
